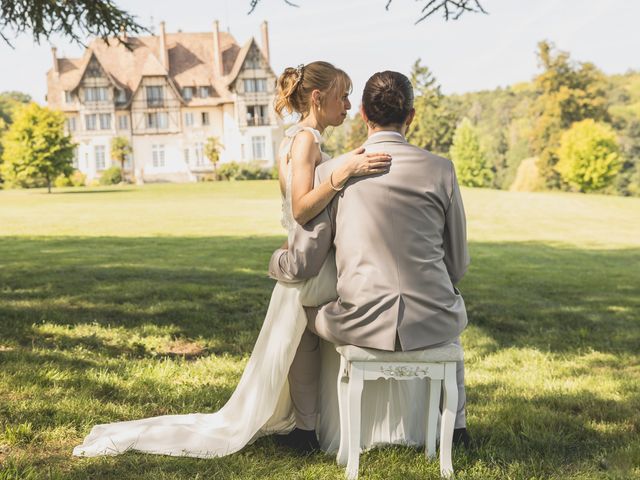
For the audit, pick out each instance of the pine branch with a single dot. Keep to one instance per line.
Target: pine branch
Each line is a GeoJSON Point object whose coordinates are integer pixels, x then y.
{"type": "Point", "coordinates": [75, 19]}
{"type": "Point", "coordinates": [451, 9]}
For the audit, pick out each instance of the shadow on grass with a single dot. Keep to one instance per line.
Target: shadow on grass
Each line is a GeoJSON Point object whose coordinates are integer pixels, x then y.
{"type": "Point", "coordinates": [216, 289]}
{"type": "Point", "coordinates": [87, 191]}
{"type": "Point", "coordinates": [79, 312]}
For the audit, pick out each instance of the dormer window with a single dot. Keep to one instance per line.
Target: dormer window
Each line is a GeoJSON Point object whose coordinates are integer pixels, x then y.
{"type": "Point", "coordinates": [96, 94]}
{"type": "Point", "coordinates": [121, 96]}
{"type": "Point", "coordinates": [252, 85]}
{"type": "Point", "coordinates": [187, 93]}
{"type": "Point", "coordinates": [154, 96]}
{"type": "Point", "coordinates": [204, 92]}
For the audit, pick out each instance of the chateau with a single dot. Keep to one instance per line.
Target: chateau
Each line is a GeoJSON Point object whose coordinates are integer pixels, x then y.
{"type": "Point", "coordinates": [167, 94]}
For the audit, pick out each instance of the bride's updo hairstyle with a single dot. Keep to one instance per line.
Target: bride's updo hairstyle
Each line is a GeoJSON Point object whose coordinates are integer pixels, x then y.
{"type": "Point", "coordinates": [387, 99]}
{"type": "Point", "coordinates": [294, 86]}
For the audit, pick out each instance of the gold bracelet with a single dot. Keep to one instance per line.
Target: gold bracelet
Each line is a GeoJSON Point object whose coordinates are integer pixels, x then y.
{"type": "Point", "coordinates": [332, 186]}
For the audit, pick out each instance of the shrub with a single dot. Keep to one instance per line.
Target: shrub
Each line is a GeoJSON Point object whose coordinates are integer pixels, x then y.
{"type": "Point", "coordinates": [245, 171]}
{"type": "Point", "coordinates": [589, 155]}
{"type": "Point", "coordinates": [111, 176]}
{"type": "Point", "coordinates": [76, 179]}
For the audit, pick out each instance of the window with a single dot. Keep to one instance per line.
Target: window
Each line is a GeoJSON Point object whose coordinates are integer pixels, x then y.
{"type": "Point", "coordinates": [205, 118]}
{"type": "Point", "coordinates": [76, 159]}
{"type": "Point", "coordinates": [90, 121]}
{"type": "Point", "coordinates": [157, 120]}
{"type": "Point", "coordinates": [157, 156]}
{"type": "Point", "coordinates": [252, 62]}
{"type": "Point", "coordinates": [70, 123]}
{"type": "Point", "coordinates": [154, 96]}
{"type": "Point", "coordinates": [257, 115]}
{"type": "Point", "coordinates": [96, 94]}
{"type": "Point", "coordinates": [199, 154]}
{"type": "Point", "coordinates": [105, 121]}
{"type": "Point", "coordinates": [186, 156]}
{"type": "Point", "coordinates": [187, 93]}
{"type": "Point", "coordinates": [99, 155]}
{"type": "Point", "coordinates": [93, 69]}
{"type": "Point", "coordinates": [258, 146]}
{"type": "Point", "coordinates": [123, 122]}
{"type": "Point", "coordinates": [188, 119]}
{"type": "Point", "coordinates": [121, 96]}
{"type": "Point", "coordinates": [68, 98]}
{"type": "Point", "coordinates": [204, 92]}
{"type": "Point", "coordinates": [127, 161]}
{"type": "Point", "coordinates": [255, 85]}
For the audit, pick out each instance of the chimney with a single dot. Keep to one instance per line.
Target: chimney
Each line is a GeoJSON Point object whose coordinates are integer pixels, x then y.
{"type": "Point", "coordinates": [217, 61]}
{"type": "Point", "coordinates": [54, 54]}
{"type": "Point", "coordinates": [265, 40]}
{"type": "Point", "coordinates": [164, 57]}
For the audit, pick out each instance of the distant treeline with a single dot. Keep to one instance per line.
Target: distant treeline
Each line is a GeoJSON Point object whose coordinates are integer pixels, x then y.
{"type": "Point", "coordinates": [571, 128]}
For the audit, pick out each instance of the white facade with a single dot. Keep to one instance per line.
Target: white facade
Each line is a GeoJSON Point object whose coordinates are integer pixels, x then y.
{"type": "Point", "coordinates": [167, 116]}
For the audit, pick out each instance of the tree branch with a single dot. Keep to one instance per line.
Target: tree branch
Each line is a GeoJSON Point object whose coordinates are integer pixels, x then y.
{"type": "Point", "coordinates": [75, 19]}
{"type": "Point", "coordinates": [451, 9]}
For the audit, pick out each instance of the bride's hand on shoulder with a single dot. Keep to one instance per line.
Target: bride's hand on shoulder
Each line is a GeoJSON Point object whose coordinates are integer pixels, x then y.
{"type": "Point", "coordinates": [362, 163]}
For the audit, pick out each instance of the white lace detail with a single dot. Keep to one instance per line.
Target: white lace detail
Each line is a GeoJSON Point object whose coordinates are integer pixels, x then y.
{"type": "Point", "coordinates": [287, 220]}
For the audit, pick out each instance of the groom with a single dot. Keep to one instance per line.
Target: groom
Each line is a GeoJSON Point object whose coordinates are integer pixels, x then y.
{"type": "Point", "coordinates": [401, 246]}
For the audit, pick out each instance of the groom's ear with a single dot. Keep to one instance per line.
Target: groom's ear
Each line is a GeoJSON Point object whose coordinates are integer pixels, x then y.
{"type": "Point", "coordinates": [410, 118]}
{"type": "Point", "coordinates": [363, 115]}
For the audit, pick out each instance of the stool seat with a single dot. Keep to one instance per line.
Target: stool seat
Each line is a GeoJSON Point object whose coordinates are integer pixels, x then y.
{"type": "Point", "coordinates": [446, 353]}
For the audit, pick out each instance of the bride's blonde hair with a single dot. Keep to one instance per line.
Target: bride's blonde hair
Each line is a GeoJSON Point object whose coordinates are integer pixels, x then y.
{"type": "Point", "coordinates": [294, 86]}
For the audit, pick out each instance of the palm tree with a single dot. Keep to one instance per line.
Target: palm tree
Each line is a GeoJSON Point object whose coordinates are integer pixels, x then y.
{"type": "Point", "coordinates": [120, 149]}
{"type": "Point", "coordinates": [212, 150]}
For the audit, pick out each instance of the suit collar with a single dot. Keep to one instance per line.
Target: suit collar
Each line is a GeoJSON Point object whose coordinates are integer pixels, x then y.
{"type": "Point", "coordinates": [384, 137]}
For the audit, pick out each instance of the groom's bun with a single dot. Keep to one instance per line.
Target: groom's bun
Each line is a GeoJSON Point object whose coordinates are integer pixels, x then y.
{"type": "Point", "coordinates": [387, 98]}
{"type": "Point", "coordinates": [294, 86]}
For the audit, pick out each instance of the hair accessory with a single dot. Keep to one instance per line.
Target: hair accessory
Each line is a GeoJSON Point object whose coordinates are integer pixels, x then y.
{"type": "Point", "coordinates": [299, 71]}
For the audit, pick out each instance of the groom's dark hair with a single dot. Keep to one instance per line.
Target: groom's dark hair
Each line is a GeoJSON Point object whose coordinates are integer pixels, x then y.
{"type": "Point", "coordinates": [387, 98]}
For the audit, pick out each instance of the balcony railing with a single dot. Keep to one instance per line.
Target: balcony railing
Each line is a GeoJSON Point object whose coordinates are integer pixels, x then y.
{"type": "Point", "coordinates": [257, 121]}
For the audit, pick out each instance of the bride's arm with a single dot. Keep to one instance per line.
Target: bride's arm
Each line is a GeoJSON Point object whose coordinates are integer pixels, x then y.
{"type": "Point", "coordinates": [306, 201]}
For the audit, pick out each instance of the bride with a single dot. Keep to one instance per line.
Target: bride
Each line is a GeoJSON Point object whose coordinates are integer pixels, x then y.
{"type": "Point", "coordinates": [261, 403]}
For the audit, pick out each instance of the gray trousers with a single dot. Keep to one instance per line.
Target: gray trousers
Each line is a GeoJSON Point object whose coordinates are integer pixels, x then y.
{"type": "Point", "coordinates": [303, 383]}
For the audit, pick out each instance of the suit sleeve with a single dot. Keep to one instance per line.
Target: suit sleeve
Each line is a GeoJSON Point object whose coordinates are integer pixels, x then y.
{"type": "Point", "coordinates": [456, 253]}
{"type": "Point", "coordinates": [308, 249]}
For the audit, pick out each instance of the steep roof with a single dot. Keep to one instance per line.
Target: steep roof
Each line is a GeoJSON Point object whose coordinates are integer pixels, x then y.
{"type": "Point", "coordinates": [190, 57]}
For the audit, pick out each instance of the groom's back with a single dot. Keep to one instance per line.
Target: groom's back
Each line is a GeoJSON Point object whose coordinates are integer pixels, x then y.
{"type": "Point", "coordinates": [392, 233]}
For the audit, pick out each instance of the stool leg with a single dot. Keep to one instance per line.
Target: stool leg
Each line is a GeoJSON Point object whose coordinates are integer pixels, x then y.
{"type": "Point", "coordinates": [433, 409]}
{"type": "Point", "coordinates": [448, 419]}
{"type": "Point", "coordinates": [343, 380]}
{"type": "Point", "coordinates": [356, 384]}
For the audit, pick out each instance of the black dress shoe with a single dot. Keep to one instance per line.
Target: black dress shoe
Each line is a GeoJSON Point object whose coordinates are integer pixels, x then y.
{"type": "Point", "coordinates": [302, 441]}
{"type": "Point", "coordinates": [461, 438]}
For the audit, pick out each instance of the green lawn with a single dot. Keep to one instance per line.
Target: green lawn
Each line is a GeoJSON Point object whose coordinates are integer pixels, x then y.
{"type": "Point", "coordinates": [118, 303]}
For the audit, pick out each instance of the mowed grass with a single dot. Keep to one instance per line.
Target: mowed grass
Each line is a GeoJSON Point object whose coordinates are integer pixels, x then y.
{"type": "Point", "coordinates": [119, 303]}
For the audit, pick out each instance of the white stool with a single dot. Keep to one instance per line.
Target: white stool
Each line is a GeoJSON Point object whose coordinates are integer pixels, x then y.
{"type": "Point", "coordinates": [358, 365]}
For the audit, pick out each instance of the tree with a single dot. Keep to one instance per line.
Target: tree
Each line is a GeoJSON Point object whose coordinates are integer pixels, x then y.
{"type": "Point", "coordinates": [469, 157]}
{"type": "Point", "coordinates": [589, 155]}
{"type": "Point", "coordinates": [567, 92]}
{"type": "Point", "coordinates": [357, 133]}
{"type": "Point", "coordinates": [434, 123]}
{"type": "Point", "coordinates": [75, 19]}
{"type": "Point", "coordinates": [9, 101]}
{"type": "Point", "coordinates": [212, 150]}
{"type": "Point", "coordinates": [120, 149]}
{"type": "Point", "coordinates": [36, 149]}
{"type": "Point", "coordinates": [450, 9]}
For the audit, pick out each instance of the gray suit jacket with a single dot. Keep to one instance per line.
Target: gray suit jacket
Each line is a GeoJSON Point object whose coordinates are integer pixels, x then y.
{"type": "Point", "coordinates": [401, 246]}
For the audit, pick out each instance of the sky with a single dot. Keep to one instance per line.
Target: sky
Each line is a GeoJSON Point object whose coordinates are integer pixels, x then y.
{"type": "Point", "coordinates": [477, 52]}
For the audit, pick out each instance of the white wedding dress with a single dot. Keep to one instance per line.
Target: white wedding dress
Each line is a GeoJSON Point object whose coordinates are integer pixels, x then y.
{"type": "Point", "coordinates": [392, 412]}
